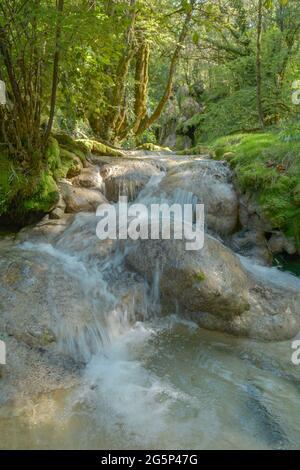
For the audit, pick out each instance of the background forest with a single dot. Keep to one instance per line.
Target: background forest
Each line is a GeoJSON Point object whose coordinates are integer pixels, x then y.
{"type": "Point", "coordinates": [192, 75]}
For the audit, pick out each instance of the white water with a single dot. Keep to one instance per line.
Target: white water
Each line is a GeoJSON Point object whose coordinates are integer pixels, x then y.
{"type": "Point", "coordinates": [152, 382]}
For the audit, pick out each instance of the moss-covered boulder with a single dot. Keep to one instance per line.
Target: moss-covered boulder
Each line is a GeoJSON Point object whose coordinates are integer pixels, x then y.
{"type": "Point", "coordinates": [149, 147]}
{"type": "Point", "coordinates": [98, 148]}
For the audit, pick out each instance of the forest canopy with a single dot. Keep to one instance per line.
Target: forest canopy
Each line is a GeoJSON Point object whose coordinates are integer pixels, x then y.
{"type": "Point", "coordinates": [178, 73]}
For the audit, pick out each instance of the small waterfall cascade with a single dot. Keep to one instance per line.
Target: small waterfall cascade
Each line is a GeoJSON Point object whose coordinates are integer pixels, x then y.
{"type": "Point", "coordinates": [149, 381]}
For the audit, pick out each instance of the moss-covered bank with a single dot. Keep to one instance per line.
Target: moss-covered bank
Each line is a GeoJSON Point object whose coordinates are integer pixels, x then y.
{"type": "Point", "coordinates": [267, 165]}
{"type": "Point", "coordinates": [27, 194]}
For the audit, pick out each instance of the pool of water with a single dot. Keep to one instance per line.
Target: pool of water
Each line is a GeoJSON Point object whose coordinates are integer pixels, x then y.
{"type": "Point", "coordinates": [168, 385]}
{"type": "Point", "coordinates": [289, 264]}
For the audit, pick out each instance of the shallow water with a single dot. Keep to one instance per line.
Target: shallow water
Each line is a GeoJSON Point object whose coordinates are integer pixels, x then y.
{"type": "Point", "coordinates": [169, 385]}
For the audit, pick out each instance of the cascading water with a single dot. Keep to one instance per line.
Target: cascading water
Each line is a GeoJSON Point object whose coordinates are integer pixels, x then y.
{"type": "Point", "coordinates": [150, 381]}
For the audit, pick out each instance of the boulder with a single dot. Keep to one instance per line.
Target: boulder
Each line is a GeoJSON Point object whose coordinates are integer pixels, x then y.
{"type": "Point", "coordinates": [46, 229]}
{"type": "Point", "coordinates": [250, 213]}
{"type": "Point", "coordinates": [80, 199]}
{"type": "Point", "coordinates": [89, 178]}
{"type": "Point", "coordinates": [56, 214]}
{"type": "Point", "coordinates": [210, 280]}
{"type": "Point", "coordinates": [126, 178]}
{"type": "Point", "coordinates": [48, 302]}
{"type": "Point", "coordinates": [216, 291]}
{"type": "Point", "coordinates": [211, 183]}
{"type": "Point", "coordinates": [252, 243]}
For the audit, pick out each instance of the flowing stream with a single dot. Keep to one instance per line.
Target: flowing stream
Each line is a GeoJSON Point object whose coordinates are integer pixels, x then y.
{"type": "Point", "coordinates": [150, 381]}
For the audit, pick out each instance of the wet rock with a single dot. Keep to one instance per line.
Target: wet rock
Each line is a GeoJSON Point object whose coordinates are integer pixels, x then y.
{"type": "Point", "coordinates": [126, 178]}
{"type": "Point", "coordinates": [217, 292]}
{"type": "Point", "coordinates": [250, 214]}
{"type": "Point", "coordinates": [81, 238]}
{"type": "Point", "coordinates": [211, 279]}
{"type": "Point", "coordinates": [48, 302]}
{"type": "Point", "coordinates": [46, 229]}
{"type": "Point", "coordinates": [80, 199]}
{"type": "Point", "coordinates": [56, 214]}
{"type": "Point", "coordinates": [253, 244]}
{"type": "Point", "coordinates": [89, 178]}
{"type": "Point", "coordinates": [279, 243]}
{"type": "Point", "coordinates": [30, 372]}
{"type": "Point", "coordinates": [211, 183]}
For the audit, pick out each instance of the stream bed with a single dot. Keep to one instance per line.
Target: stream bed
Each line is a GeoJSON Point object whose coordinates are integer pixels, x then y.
{"type": "Point", "coordinates": [146, 381]}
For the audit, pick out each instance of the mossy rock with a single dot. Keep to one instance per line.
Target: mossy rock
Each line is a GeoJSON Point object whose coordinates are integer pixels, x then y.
{"type": "Point", "coordinates": [228, 156]}
{"type": "Point", "coordinates": [63, 163]}
{"type": "Point", "coordinates": [296, 194]}
{"type": "Point", "coordinates": [53, 156]}
{"type": "Point", "coordinates": [98, 148]}
{"type": "Point", "coordinates": [71, 164]}
{"type": "Point", "coordinates": [268, 166]}
{"type": "Point", "coordinates": [68, 143]}
{"type": "Point", "coordinates": [45, 196]}
{"type": "Point", "coordinates": [149, 147]}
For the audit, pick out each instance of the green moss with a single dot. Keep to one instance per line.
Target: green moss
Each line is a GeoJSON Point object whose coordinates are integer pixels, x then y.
{"type": "Point", "coordinates": [70, 165]}
{"type": "Point", "coordinates": [200, 277]}
{"type": "Point", "coordinates": [45, 196]}
{"type": "Point", "coordinates": [67, 143]}
{"type": "Point", "coordinates": [12, 181]}
{"type": "Point", "coordinates": [98, 148]}
{"type": "Point", "coordinates": [62, 163]}
{"type": "Point", "coordinates": [53, 155]}
{"type": "Point", "coordinates": [26, 194]}
{"type": "Point", "coordinates": [296, 194]}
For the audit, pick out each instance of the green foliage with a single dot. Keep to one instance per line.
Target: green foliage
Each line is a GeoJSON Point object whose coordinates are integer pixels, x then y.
{"type": "Point", "coordinates": [233, 113]}
{"type": "Point", "coordinates": [11, 182]}
{"type": "Point", "coordinates": [24, 195]}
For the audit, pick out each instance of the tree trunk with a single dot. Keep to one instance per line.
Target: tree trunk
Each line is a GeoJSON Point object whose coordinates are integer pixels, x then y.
{"type": "Point", "coordinates": [117, 117]}
{"type": "Point", "coordinates": [258, 65]}
{"type": "Point", "coordinates": [149, 120]}
{"type": "Point", "coordinates": [55, 77]}
{"type": "Point", "coordinates": [141, 87]}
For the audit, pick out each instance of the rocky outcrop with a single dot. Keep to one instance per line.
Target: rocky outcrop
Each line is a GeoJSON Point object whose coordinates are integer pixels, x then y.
{"type": "Point", "coordinates": [80, 199]}
{"type": "Point", "coordinates": [279, 243]}
{"type": "Point", "coordinates": [252, 243]}
{"type": "Point", "coordinates": [253, 220]}
{"type": "Point", "coordinates": [210, 279]}
{"type": "Point", "coordinates": [89, 178]}
{"type": "Point", "coordinates": [211, 183]}
{"type": "Point", "coordinates": [126, 178]}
